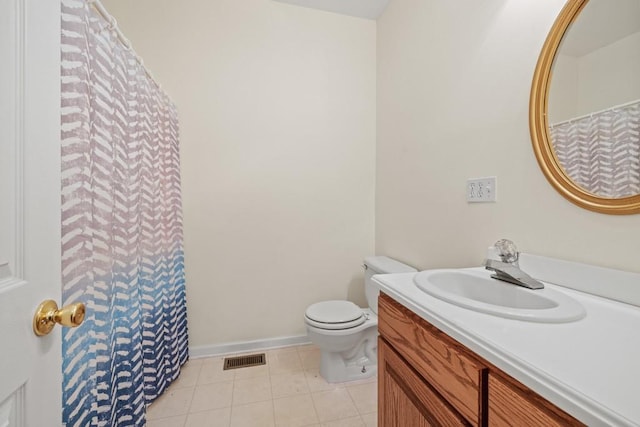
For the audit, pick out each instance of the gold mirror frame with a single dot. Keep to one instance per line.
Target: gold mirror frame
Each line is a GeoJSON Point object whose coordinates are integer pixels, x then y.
{"type": "Point", "coordinates": [539, 126]}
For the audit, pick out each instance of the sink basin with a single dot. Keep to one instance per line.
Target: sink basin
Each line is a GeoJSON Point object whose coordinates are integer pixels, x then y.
{"type": "Point", "coordinates": [476, 290]}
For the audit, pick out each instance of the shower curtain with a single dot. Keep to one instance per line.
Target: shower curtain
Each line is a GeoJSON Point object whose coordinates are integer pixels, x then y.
{"type": "Point", "coordinates": [601, 152]}
{"type": "Point", "coordinates": [121, 227]}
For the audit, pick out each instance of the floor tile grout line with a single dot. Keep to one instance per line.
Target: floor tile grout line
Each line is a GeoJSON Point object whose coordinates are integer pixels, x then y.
{"type": "Point", "coordinates": [233, 395]}
{"type": "Point", "coordinates": [313, 402]}
{"type": "Point", "coordinates": [273, 412]}
{"type": "Point", "coordinates": [273, 403]}
{"type": "Point", "coordinates": [354, 403]}
{"type": "Point", "coordinates": [353, 400]}
{"type": "Point", "coordinates": [178, 415]}
{"type": "Point", "coordinates": [230, 415]}
{"type": "Point", "coordinates": [306, 380]}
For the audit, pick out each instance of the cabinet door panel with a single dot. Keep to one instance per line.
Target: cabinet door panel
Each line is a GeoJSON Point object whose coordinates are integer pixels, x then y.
{"type": "Point", "coordinates": [511, 403]}
{"type": "Point", "coordinates": [445, 363]}
{"type": "Point", "coordinates": [405, 399]}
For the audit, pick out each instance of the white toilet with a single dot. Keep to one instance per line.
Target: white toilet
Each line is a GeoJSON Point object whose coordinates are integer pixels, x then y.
{"type": "Point", "coordinates": [347, 334]}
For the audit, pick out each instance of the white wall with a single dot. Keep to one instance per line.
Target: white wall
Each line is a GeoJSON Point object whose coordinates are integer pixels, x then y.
{"type": "Point", "coordinates": [277, 113]}
{"type": "Point", "coordinates": [563, 92]}
{"type": "Point", "coordinates": [615, 67]}
{"type": "Point", "coordinates": [578, 83]}
{"type": "Point", "coordinates": [454, 80]}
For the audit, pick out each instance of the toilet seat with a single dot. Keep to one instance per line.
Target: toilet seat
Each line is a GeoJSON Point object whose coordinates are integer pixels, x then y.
{"type": "Point", "coordinates": [334, 315]}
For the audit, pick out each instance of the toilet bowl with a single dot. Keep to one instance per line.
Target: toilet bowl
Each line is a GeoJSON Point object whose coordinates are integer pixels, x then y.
{"type": "Point", "coordinates": [346, 334]}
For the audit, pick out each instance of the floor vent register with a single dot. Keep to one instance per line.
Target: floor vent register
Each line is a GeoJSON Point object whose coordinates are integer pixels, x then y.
{"type": "Point", "coordinates": [244, 361]}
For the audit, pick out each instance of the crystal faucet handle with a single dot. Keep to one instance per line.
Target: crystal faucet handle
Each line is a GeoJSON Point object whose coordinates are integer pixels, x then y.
{"type": "Point", "coordinates": [507, 250]}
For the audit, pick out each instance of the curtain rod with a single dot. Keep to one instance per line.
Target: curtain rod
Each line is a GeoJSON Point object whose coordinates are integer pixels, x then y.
{"type": "Point", "coordinates": [113, 25]}
{"type": "Point", "coordinates": [626, 104]}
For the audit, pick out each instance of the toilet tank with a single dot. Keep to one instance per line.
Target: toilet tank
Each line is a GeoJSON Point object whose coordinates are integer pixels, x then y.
{"type": "Point", "coordinates": [380, 265]}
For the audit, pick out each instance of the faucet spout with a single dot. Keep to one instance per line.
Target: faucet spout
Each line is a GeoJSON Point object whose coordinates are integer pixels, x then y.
{"type": "Point", "coordinates": [512, 274]}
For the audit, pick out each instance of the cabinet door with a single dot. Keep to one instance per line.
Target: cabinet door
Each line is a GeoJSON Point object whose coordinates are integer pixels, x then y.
{"type": "Point", "coordinates": [405, 399]}
{"type": "Point", "coordinates": [513, 404]}
{"type": "Point", "coordinates": [455, 372]}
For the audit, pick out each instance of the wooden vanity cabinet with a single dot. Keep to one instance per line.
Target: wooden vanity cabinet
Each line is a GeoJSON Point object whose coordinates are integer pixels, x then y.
{"type": "Point", "coordinates": [426, 378]}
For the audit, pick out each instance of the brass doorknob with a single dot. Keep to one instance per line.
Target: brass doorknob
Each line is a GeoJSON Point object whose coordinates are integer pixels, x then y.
{"type": "Point", "coordinates": [47, 315]}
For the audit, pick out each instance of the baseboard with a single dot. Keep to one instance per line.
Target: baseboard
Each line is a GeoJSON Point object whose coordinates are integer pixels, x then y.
{"type": "Point", "coordinates": [200, 351]}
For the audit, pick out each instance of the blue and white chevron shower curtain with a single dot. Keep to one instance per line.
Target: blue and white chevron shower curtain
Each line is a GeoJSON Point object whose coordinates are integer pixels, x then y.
{"type": "Point", "coordinates": [121, 228]}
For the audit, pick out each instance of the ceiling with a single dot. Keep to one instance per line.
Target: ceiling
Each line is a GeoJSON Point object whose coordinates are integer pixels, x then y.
{"type": "Point", "coordinates": [369, 9]}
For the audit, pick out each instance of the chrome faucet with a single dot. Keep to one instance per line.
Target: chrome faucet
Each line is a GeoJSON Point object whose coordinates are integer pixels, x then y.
{"type": "Point", "coordinates": [507, 269]}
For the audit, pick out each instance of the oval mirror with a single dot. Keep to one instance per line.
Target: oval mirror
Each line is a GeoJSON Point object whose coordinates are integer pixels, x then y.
{"type": "Point", "coordinates": [585, 105]}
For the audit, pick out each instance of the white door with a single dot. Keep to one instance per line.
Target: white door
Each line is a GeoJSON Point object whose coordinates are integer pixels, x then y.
{"type": "Point", "coordinates": [30, 367]}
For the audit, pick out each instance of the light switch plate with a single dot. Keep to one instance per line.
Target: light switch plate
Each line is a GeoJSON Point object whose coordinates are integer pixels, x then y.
{"type": "Point", "coordinates": [482, 190]}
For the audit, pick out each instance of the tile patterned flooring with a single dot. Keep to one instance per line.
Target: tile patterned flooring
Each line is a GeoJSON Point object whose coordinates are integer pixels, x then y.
{"type": "Point", "coordinates": [287, 391]}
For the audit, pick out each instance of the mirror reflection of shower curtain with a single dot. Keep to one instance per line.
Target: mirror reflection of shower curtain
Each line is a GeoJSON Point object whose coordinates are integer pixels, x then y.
{"type": "Point", "coordinates": [122, 249]}
{"type": "Point", "coordinates": [601, 152]}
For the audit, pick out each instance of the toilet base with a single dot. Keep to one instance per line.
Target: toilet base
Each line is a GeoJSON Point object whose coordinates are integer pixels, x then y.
{"type": "Point", "coordinates": [338, 367]}
{"type": "Point", "coordinates": [334, 371]}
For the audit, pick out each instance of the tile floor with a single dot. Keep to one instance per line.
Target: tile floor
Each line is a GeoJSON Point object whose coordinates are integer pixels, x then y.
{"type": "Point", "coordinates": [287, 391]}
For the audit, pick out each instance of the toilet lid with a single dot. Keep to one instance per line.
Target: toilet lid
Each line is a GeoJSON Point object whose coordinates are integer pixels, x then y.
{"type": "Point", "coordinates": [334, 315]}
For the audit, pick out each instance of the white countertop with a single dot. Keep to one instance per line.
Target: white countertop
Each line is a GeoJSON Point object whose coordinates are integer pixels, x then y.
{"type": "Point", "coordinates": [590, 368]}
